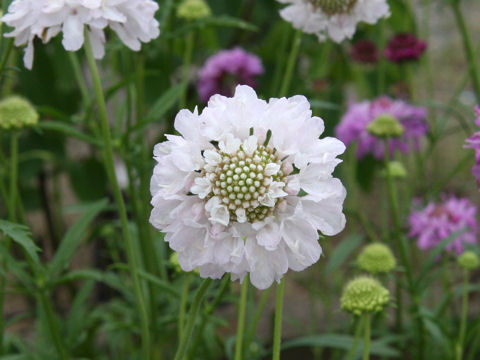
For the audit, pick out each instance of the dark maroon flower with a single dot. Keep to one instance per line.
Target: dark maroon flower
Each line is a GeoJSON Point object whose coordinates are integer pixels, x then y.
{"type": "Point", "coordinates": [364, 51]}
{"type": "Point", "coordinates": [404, 47]}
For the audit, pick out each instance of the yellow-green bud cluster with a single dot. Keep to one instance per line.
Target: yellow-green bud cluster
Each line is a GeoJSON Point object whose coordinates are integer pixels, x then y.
{"type": "Point", "coordinates": [385, 126]}
{"type": "Point", "coordinates": [469, 260]}
{"type": "Point", "coordinates": [333, 7]}
{"type": "Point", "coordinates": [396, 170]}
{"type": "Point", "coordinates": [193, 10]}
{"type": "Point", "coordinates": [376, 259]}
{"type": "Point", "coordinates": [17, 113]}
{"type": "Point", "coordinates": [364, 295]}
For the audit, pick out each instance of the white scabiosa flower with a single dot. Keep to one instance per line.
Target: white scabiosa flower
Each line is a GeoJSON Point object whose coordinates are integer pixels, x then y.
{"type": "Point", "coordinates": [246, 186]}
{"type": "Point", "coordinates": [132, 20]}
{"type": "Point", "coordinates": [334, 19]}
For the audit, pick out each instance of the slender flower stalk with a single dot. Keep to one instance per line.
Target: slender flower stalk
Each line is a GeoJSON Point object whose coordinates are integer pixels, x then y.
{"type": "Point", "coordinates": [366, 337]}
{"type": "Point", "coordinates": [468, 46]}
{"type": "Point", "coordinates": [187, 60]}
{"type": "Point", "coordinates": [256, 318]}
{"type": "Point", "coordinates": [297, 39]}
{"type": "Point", "coordinates": [117, 193]}
{"type": "Point", "coordinates": [5, 56]}
{"type": "Point", "coordinates": [241, 319]}
{"type": "Point", "coordinates": [277, 330]}
{"type": "Point", "coordinates": [463, 321]}
{"type": "Point", "coordinates": [358, 331]}
{"type": "Point", "coordinates": [192, 317]}
{"type": "Point", "coordinates": [183, 305]}
{"type": "Point", "coordinates": [13, 174]}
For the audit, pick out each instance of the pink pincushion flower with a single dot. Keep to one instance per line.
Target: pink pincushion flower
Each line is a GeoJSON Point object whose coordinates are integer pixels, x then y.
{"type": "Point", "coordinates": [474, 143]}
{"type": "Point", "coordinates": [225, 70]}
{"type": "Point", "coordinates": [353, 126]}
{"type": "Point", "coordinates": [404, 47]}
{"type": "Point", "coordinates": [436, 222]}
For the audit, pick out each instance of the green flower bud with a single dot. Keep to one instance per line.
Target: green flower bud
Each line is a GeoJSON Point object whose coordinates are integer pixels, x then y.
{"type": "Point", "coordinates": [17, 113]}
{"type": "Point", "coordinates": [396, 170]}
{"type": "Point", "coordinates": [193, 10]}
{"type": "Point", "coordinates": [468, 260]}
{"type": "Point", "coordinates": [376, 259]}
{"type": "Point", "coordinates": [385, 126]}
{"type": "Point", "coordinates": [364, 295]}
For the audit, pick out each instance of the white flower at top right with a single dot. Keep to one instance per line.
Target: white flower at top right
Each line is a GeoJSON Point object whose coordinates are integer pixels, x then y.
{"type": "Point", "coordinates": [334, 19]}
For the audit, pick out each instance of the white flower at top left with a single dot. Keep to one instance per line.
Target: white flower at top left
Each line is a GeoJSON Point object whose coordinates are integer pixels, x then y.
{"type": "Point", "coordinates": [132, 20]}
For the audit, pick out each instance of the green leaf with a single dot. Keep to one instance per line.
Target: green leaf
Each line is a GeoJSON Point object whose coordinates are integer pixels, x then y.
{"type": "Point", "coordinates": [21, 235]}
{"type": "Point", "coordinates": [342, 252]}
{"type": "Point", "coordinates": [339, 341]}
{"type": "Point", "coordinates": [160, 107]}
{"type": "Point", "coordinates": [68, 130]}
{"type": "Point", "coordinates": [73, 238]}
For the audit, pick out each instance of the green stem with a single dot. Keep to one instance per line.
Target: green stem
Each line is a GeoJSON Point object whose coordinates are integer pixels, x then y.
{"type": "Point", "coordinates": [6, 55]}
{"type": "Point", "coordinates": [192, 317]}
{"type": "Point", "coordinates": [366, 337]}
{"type": "Point", "coordinates": [256, 319]}
{"type": "Point", "coordinates": [13, 174]}
{"type": "Point", "coordinates": [381, 61]}
{"type": "Point", "coordinates": [277, 329]}
{"type": "Point", "coordinates": [468, 46]}
{"type": "Point", "coordinates": [77, 71]}
{"type": "Point", "coordinates": [183, 305]}
{"type": "Point", "coordinates": [358, 331]}
{"type": "Point", "coordinates": [187, 59]}
{"type": "Point", "coordinates": [117, 193]}
{"type": "Point", "coordinates": [297, 39]}
{"type": "Point", "coordinates": [53, 326]}
{"type": "Point", "coordinates": [463, 321]}
{"type": "Point", "coordinates": [241, 319]}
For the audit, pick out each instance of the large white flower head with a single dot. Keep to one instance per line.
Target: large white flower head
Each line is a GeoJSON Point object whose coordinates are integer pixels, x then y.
{"type": "Point", "coordinates": [334, 19]}
{"type": "Point", "coordinates": [132, 20]}
{"type": "Point", "coordinates": [245, 187]}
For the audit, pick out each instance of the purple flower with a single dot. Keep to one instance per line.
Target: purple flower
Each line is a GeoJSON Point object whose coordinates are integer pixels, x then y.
{"type": "Point", "coordinates": [364, 51]}
{"type": "Point", "coordinates": [404, 47]}
{"type": "Point", "coordinates": [225, 70]}
{"type": "Point", "coordinates": [353, 126]}
{"type": "Point", "coordinates": [474, 143]}
{"type": "Point", "coordinates": [436, 222]}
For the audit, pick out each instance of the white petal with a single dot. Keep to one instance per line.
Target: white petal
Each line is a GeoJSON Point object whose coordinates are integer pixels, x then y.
{"type": "Point", "coordinates": [250, 145]}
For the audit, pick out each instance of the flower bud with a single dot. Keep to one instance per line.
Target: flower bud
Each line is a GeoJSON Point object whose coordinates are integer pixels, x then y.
{"type": "Point", "coordinates": [376, 258]}
{"type": "Point", "coordinates": [17, 113]}
{"type": "Point", "coordinates": [193, 10]}
{"type": "Point", "coordinates": [396, 170]}
{"type": "Point", "coordinates": [385, 126]}
{"type": "Point", "coordinates": [364, 295]}
{"type": "Point", "coordinates": [468, 260]}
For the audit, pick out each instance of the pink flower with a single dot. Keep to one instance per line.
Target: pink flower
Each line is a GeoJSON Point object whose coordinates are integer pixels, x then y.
{"type": "Point", "coordinates": [474, 143]}
{"type": "Point", "coordinates": [225, 70]}
{"type": "Point", "coordinates": [436, 222]}
{"type": "Point", "coordinates": [353, 126]}
{"type": "Point", "coordinates": [404, 47]}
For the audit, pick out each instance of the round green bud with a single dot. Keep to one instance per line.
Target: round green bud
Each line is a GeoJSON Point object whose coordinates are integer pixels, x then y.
{"type": "Point", "coordinates": [376, 259]}
{"type": "Point", "coordinates": [17, 113]}
{"type": "Point", "coordinates": [193, 10]}
{"type": "Point", "coordinates": [396, 170]}
{"type": "Point", "coordinates": [385, 126]}
{"type": "Point", "coordinates": [364, 295]}
{"type": "Point", "coordinates": [468, 260]}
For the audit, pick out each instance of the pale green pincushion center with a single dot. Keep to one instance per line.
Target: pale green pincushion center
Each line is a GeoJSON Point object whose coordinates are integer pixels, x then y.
{"type": "Point", "coordinates": [334, 7]}
{"type": "Point", "coordinates": [240, 180]}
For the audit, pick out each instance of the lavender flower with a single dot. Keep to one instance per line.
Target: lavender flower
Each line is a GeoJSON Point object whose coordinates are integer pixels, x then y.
{"type": "Point", "coordinates": [474, 143]}
{"type": "Point", "coordinates": [225, 70]}
{"type": "Point", "coordinates": [353, 126]}
{"type": "Point", "coordinates": [404, 47]}
{"type": "Point", "coordinates": [436, 222]}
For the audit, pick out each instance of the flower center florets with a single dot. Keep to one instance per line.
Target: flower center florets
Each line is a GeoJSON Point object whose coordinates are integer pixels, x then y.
{"type": "Point", "coordinates": [245, 185]}
{"type": "Point", "coordinates": [333, 7]}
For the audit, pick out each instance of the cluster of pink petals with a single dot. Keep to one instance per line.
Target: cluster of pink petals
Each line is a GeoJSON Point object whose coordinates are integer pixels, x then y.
{"type": "Point", "coordinates": [474, 143]}
{"type": "Point", "coordinates": [353, 126]}
{"type": "Point", "coordinates": [404, 47]}
{"type": "Point", "coordinates": [436, 222]}
{"type": "Point", "coordinates": [225, 70]}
